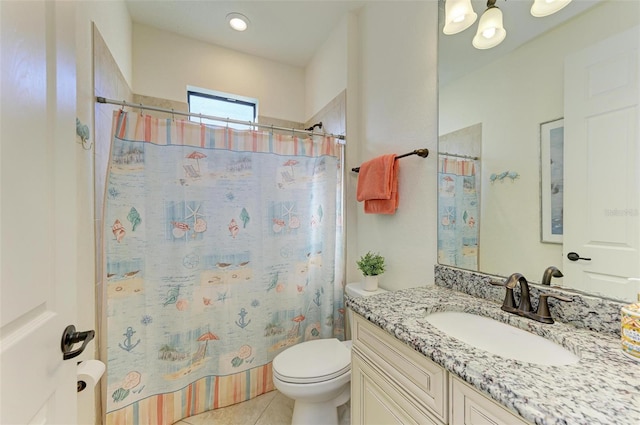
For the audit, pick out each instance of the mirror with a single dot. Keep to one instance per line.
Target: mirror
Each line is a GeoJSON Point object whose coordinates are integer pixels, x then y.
{"type": "Point", "coordinates": [496, 105]}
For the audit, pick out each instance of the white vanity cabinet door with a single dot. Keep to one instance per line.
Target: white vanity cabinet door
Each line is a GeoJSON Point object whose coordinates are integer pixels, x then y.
{"type": "Point", "coordinates": [375, 400]}
{"type": "Point", "coordinates": [419, 380]}
{"type": "Point", "coordinates": [470, 407]}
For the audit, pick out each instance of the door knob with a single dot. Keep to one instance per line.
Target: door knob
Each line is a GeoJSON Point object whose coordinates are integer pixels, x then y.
{"type": "Point", "coordinates": [574, 256]}
{"type": "Point", "coordinates": [70, 337]}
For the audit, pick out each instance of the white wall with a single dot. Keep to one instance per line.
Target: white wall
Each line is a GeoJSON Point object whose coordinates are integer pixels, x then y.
{"type": "Point", "coordinates": [112, 18]}
{"type": "Point", "coordinates": [326, 73]}
{"type": "Point", "coordinates": [165, 63]}
{"type": "Point", "coordinates": [397, 102]}
{"type": "Point", "coordinates": [511, 97]}
{"type": "Point", "coordinates": [352, 149]}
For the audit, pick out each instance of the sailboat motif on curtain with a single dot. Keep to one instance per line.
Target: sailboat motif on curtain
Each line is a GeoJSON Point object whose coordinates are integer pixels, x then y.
{"type": "Point", "coordinates": [220, 252]}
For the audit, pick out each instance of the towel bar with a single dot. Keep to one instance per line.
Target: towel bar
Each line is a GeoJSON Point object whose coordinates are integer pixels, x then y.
{"type": "Point", "coordinates": [420, 152]}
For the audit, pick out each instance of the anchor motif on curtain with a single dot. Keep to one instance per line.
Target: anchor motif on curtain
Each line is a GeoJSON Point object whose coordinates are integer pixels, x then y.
{"type": "Point", "coordinates": [241, 322]}
{"type": "Point", "coordinates": [127, 345]}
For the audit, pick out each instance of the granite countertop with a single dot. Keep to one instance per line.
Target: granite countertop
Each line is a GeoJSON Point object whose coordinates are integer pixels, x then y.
{"type": "Point", "coordinates": [602, 388]}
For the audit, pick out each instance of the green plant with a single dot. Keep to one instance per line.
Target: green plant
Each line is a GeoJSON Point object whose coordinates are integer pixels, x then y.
{"type": "Point", "coordinates": [371, 264]}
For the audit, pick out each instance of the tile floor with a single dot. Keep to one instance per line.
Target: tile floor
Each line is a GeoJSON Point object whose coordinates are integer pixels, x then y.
{"type": "Point", "coordinates": [271, 408]}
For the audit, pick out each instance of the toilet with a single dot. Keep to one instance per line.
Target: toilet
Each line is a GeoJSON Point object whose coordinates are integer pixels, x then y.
{"type": "Point", "coordinates": [317, 374]}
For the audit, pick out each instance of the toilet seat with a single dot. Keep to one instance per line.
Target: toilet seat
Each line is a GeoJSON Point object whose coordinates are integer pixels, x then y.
{"type": "Point", "coordinates": [312, 362]}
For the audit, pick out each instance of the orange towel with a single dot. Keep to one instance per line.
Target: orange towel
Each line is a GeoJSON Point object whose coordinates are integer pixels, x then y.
{"type": "Point", "coordinates": [378, 185]}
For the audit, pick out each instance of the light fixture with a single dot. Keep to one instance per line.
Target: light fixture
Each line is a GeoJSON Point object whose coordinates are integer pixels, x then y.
{"type": "Point", "coordinates": [491, 31]}
{"type": "Point", "coordinates": [543, 8]}
{"type": "Point", "coordinates": [458, 16]}
{"type": "Point", "coordinates": [238, 21]}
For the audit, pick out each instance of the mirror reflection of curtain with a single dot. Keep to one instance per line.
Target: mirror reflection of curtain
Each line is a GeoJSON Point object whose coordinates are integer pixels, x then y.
{"type": "Point", "coordinates": [458, 213]}
{"type": "Point", "coordinates": [220, 251]}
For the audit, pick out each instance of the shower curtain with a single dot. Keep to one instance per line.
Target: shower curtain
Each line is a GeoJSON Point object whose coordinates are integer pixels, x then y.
{"type": "Point", "coordinates": [222, 248]}
{"type": "Point", "coordinates": [458, 213]}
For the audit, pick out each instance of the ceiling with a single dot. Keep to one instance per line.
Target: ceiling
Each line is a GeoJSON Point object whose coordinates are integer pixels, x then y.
{"type": "Point", "coordinates": [288, 32]}
{"type": "Point", "coordinates": [291, 31]}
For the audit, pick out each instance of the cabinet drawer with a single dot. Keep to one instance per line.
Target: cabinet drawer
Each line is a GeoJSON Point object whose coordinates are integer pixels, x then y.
{"type": "Point", "coordinates": [470, 407]}
{"type": "Point", "coordinates": [377, 401]}
{"type": "Point", "coordinates": [421, 378]}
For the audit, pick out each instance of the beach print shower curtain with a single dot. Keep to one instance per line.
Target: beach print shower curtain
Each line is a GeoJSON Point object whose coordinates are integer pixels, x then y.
{"type": "Point", "coordinates": [222, 248]}
{"type": "Point", "coordinates": [458, 213]}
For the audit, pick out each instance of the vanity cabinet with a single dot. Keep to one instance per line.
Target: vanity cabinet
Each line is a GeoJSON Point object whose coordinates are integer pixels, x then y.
{"type": "Point", "coordinates": [470, 407]}
{"type": "Point", "coordinates": [392, 383]}
{"type": "Point", "coordinates": [377, 400]}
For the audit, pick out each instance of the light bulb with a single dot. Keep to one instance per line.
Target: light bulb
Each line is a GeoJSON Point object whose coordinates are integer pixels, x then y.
{"type": "Point", "coordinates": [489, 32]}
{"type": "Point", "coordinates": [238, 21]}
{"type": "Point", "coordinates": [543, 8]}
{"type": "Point", "coordinates": [238, 24]}
{"type": "Point", "coordinates": [458, 16]}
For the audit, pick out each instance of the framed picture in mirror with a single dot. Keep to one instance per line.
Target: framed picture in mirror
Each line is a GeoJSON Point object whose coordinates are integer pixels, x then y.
{"type": "Point", "coordinates": [551, 180]}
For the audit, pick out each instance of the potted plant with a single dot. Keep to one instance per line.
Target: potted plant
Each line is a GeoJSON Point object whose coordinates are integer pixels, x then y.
{"type": "Point", "coordinates": [371, 265]}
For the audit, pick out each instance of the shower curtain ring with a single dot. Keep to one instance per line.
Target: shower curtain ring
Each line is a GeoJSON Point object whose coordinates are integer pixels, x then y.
{"type": "Point", "coordinates": [122, 107]}
{"type": "Point", "coordinates": [141, 110]}
{"type": "Point", "coordinates": [173, 117]}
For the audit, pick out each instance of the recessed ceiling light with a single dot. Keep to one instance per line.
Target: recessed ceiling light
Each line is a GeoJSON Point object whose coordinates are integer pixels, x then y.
{"type": "Point", "coordinates": [238, 21]}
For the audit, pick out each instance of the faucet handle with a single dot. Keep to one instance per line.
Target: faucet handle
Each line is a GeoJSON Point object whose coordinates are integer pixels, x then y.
{"type": "Point", "coordinates": [543, 306]}
{"type": "Point", "coordinates": [509, 303]}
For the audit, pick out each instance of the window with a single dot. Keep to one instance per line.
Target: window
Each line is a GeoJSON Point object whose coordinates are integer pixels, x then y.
{"type": "Point", "coordinates": [222, 105]}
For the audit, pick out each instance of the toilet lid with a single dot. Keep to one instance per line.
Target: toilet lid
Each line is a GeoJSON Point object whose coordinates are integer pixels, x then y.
{"type": "Point", "coordinates": [312, 361]}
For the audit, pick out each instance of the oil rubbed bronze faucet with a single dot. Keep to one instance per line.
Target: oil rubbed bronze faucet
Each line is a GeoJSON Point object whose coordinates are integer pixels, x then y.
{"type": "Point", "coordinates": [549, 272]}
{"type": "Point", "coordinates": [509, 303]}
{"type": "Point", "coordinates": [524, 306]}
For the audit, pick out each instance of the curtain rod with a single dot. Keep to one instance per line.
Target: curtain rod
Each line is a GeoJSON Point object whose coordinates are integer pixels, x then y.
{"type": "Point", "coordinates": [420, 152]}
{"type": "Point", "coordinates": [459, 156]}
{"type": "Point", "coordinates": [123, 103]}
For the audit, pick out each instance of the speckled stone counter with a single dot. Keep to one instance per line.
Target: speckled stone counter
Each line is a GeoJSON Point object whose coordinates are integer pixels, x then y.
{"type": "Point", "coordinates": [602, 388]}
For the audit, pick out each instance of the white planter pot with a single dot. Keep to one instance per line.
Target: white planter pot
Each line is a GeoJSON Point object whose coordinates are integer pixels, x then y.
{"type": "Point", "coordinates": [370, 283]}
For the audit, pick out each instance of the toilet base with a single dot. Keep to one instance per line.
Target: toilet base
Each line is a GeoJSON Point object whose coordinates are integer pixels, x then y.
{"type": "Point", "coordinates": [314, 414]}
{"type": "Point", "coordinates": [322, 413]}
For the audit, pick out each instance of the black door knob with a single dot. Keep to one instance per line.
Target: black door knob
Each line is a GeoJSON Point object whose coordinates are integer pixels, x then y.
{"type": "Point", "coordinates": [574, 256]}
{"type": "Point", "coordinates": [71, 337]}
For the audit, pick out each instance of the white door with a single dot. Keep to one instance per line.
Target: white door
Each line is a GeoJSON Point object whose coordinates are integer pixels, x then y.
{"type": "Point", "coordinates": [602, 201]}
{"type": "Point", "coordinates": [38, 215]}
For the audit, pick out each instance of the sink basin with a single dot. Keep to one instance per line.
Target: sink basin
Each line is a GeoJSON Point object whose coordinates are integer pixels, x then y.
{"type": "Point", "coordinates": [501, 339]}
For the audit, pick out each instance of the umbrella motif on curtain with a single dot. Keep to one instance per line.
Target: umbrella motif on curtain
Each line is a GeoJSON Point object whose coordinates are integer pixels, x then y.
{"type": "Point", "coordinates": [296, 328]}
{"type": "Point", "coordinates": [291, 163]}
{"type": "Point", "coordinates": [197, 156]}
{"type": "Point", "coordinates": [206, 337]}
